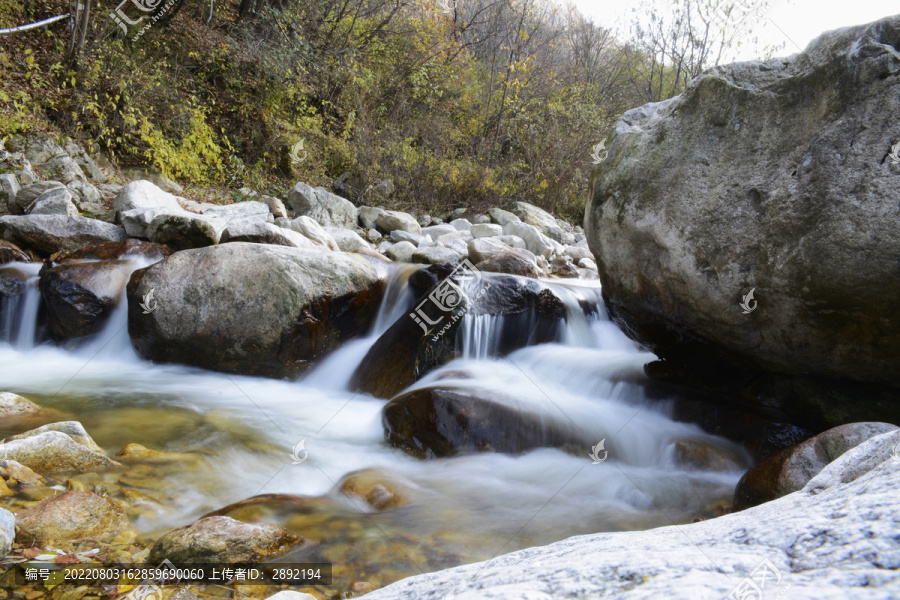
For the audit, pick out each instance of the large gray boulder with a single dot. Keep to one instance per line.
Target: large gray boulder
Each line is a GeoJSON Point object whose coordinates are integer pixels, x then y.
{"type": "Point", "coordinates": [758, 178]}
{"type": "Point", "coordinates": [252, 308]}
{"type": "Point", "coordinates": [328, 209]}
{"type": "Point", "coordinates": [52, 233]}
{"type": "Point", "coordinates": [818, 543]}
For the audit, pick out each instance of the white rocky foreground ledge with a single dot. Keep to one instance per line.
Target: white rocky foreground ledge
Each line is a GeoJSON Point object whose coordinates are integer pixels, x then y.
{"type": "Point", "coordinates": [838, 537]}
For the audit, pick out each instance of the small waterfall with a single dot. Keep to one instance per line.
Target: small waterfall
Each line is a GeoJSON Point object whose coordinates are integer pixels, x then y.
{"type": "Point", "coordinates": [335, 371]}
{"type": "Point", "coordinates": [19, 314]}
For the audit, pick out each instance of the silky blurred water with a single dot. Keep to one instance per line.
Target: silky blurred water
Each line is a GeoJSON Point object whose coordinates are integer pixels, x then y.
{"type": "Point", "coordinates": [247, 426]}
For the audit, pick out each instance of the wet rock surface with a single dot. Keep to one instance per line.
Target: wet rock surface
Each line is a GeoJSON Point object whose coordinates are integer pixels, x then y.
{"type": "Point", "coordinates": [71, 516]}
{"type": "Point", "coordinates": [792, 468]}
{"type": "Point", "coordinates": [222, 540]}
{"type": "Point", "coordinates": [435, 423]}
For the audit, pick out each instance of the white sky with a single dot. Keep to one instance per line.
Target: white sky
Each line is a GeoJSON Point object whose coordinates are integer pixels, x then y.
{"type": "Point", "coordinates": [799, 20]}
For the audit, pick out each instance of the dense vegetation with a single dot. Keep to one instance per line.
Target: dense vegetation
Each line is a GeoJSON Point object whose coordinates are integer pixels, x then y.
{"type": "Point", "coordinates": [458, 102]}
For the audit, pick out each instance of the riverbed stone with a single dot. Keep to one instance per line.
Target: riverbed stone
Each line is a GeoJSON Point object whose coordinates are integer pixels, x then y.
{"type": "Point", "coordinates": [391, 220]}
{"type": "Point", "coordinates": [223, 540]}
{"type": "Point", "coordinates": [309, 228]}
{"type": "Point", "coordinates": [73, 429]}
{"type": "Point", "coordinates": [400, 252]}
{"type": "Point", "coordinates": [11, 469]}
{"type": "Point", "coordinates": [327, 209]}
{"type": "Point", "coordinates": [431, 255]}
{"type": "Point", "coordinates": [255, 309]}
{"type": "Point", "coordinates": [792, 468]}
{"type": "Point", "coordinates": [9, 187]}
{"type": "Point", "coordinates": [755, 180]}
{"type": "Point", "coordinates": [71, 516]}
{"type": "Point", "coordinates": [54, 452]}
{"type": "Point", "coordinates": [502, 217]}
{"type": "Point", "coordinates": [346, 240]}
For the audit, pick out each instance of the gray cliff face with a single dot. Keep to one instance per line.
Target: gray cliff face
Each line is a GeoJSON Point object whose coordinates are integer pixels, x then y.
{"type": "Point", "coordinates": [773, 176]}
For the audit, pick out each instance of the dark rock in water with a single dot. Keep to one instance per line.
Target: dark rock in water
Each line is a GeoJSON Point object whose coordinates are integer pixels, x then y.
{"type": "Point", "coordinates": [77, 297]}
{"type": "Point", "coordinates": [81, 287]}
{"type": "Point", "coordinates": [11, 253]}
{"type": "Point", "coordinates": [12, 283]}
{"type": "Point", "coordinates": [761, 178]}
{"type": "Point", "coordinates": [254, 309]}
{"type": "Point", "coordinates": [792, 468]}
{"type": "Point", "coordinates": [425, 339]}
{"type": "Point", "coordinates": [223, 540]}
{"type": "Point", "coordinates": [415, 344]}
{"type": "Point", "coordinates": [435, 422]}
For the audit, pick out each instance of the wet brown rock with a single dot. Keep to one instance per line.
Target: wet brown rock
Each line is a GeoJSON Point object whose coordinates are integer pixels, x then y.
{"type": "Point", "coordinates": [435, 422]}
{"type": "Point", "coordinates": [71, 516]}
{"type": "Point", "coordinates": [380, 490]}
{"type": "Point", "coordinates": [10, 469]}
{"type": "Point", "coordinates": [413, 347]}
{"type": "Point", "coordinates": [9, 252]}
{"type": "Point", "coordinates": [223, 540]}
{"type": "Point", "coordinates": [699, 455]}
{"type": "Point", "coordinates": [129, 248]}
{"type": "Point", "coordinates": [132, 453]}
{"type": "Point", "coordinates": [792, 468]}
{"type": "Point", "coordinates": [511, 263]}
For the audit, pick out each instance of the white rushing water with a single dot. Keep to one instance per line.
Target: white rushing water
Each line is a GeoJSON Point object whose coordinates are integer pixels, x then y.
{"type": "Point", "coordinates": [589, 381]}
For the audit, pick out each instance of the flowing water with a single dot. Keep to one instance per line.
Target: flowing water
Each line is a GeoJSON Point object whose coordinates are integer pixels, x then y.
{"type": "Point", "coordinates": [471, 507]}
